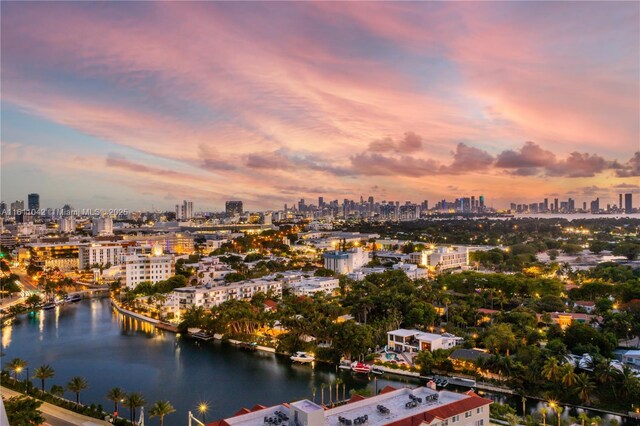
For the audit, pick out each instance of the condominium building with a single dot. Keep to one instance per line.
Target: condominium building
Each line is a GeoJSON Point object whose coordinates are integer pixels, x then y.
{"type": "Point", "coordinates": [209, 296]}
{"type": "Point", "coordinates": [343, 262]}
{"type": "Point", "coordinates": [442, 258]}
{"type": "Point", "coordinates": [423, 406]}
{"type": "Point", "coordinates": [152, 267]}
{"type": "Point", "coordinates": [210, 270]}
{"type": "Point", "coordinates": [312, 285]}
{"type": "Point", "coordinates": [100, 254]}
{"type": "Point", "coordinates": [66, 225]}
{"type": "Point", "coordinates": [64, 256]}
{"type": "Point", "coordinates": [102, 226]}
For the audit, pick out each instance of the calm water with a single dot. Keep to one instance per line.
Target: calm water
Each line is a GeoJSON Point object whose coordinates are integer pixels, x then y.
{"type": "Point", "coordinates": [91, 340]}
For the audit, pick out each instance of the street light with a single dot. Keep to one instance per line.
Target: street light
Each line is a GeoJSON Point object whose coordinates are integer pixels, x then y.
{"type": "Point", "coordinates": [554, 405]}
{"type": "Point", "coordinates": [203, 410]}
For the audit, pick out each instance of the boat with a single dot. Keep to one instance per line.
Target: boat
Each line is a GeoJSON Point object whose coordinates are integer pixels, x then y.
{"type": "Point", "coordinates": [73, 299]}
{"type": "Point", "coordinates": [444, 383]}
{"type": "Point", "coordinates": [376, 370]}
{"type": "Point", "coordinates": [201, 335]}
{"type": "Point", "coordinates": [49, 306]}
{"type": "Point", "coordinates": [345, 364]}
{"type": "Point", "coordinates": [302, 357]}
{"type": "Point", "coordinates": [359, 367]}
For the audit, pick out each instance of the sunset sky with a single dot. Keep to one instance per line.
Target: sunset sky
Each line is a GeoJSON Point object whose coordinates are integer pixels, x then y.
{"type": "Point", "coordinates": [134, 105]}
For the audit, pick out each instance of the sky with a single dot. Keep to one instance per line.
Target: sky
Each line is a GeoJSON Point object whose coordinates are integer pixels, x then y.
{"type": "Point", "coordinates": [143, 104]}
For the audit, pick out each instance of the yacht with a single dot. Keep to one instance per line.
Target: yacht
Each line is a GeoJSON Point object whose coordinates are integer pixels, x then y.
{"type": "Point", "coordinates": [302, 357]}
{"type": "Point", "coordinates": [359, 367]}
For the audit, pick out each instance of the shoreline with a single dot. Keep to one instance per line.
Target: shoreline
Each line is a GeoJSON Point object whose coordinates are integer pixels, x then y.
{"type": "Point", "coordinates": [386, 370]}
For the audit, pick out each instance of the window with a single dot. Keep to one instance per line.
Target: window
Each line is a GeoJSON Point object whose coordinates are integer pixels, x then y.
{"type": "Point", "coordinates": [480, 423]}
{"type": "Point", "coordinates": [455, 419]}
{"type": "Point", "coordinates": [479, 410]}
{"type": "Point", "coordinates": [467, 414]}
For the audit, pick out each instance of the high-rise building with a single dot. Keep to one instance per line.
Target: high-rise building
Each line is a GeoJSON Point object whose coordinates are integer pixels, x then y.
{"type": "Point", "coordinates": [102, 226]}
{"type": "Point", "coordinates": [320, 202]}
{"type": "Point", "coordinates": [184, 211]}
{"type": "Point", "coordinates": [555, 205]}
{"type": "Point", "coordinates": [595, 206]}
{"type": "Point", "coordinates": [481, 201]}
{"type": "Point", "coordinates": [546, 204]}
{"type": "Point", "coordinates": [33, 202]}
{"type": "Point", "coordinates": [620, 202]}
{"type": "Point", "coordinates": [234, 208]}
{"type": "Point", "coordinates": [628, 203]}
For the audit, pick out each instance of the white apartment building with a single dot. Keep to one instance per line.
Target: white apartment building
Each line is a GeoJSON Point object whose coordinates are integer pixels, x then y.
{"type": "Point", "coordinates": [442, 258]}
{"type": "Point", "coordinates": [209, 296]}
{"type": "Point", "coordinates": [412, 270]}
{"type": "Point", "coordinates": [312, 285]}
{"type": "Point", "coordinates": [101, 226]}
{"type": "Point", "coordinates": [343, 262]}
{"type": "Point", "coordinates": [152, 267]}
{"type": "Point", "coordinates": [210, 270]}
{"type": "Point", "coordinates": [66, 225]}
{"type": "Point", "coordinates": [100, 254]}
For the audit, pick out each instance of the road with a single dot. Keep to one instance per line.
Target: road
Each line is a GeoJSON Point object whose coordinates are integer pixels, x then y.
{"type": "Point", "coordinates": [25, 280]}
{"type": "Point", "coordinates": [56, 416]}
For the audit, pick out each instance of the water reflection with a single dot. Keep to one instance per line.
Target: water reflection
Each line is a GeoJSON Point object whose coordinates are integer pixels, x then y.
{"type": "Point", "coordinates": [90, 339]}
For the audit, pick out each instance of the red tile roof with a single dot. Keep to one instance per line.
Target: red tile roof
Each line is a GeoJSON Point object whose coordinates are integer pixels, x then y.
{"type": "Point", "coordinates": [387, 389]}
{"type": "Point", "coordinates": [355, 397]}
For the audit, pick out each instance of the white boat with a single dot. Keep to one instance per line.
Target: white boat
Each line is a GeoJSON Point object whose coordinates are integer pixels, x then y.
{"type": "Point", "coordinates": [302, 357]}
{"type": "Point", "coordinates": [345, 364]}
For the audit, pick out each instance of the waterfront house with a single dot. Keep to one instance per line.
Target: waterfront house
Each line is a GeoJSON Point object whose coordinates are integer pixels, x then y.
{"type": "Point", "coordinates": [403, 340]}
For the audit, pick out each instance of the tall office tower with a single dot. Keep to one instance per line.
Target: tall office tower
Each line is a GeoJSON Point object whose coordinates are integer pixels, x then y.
{"type": "Point", "coordinates": [320, 202]}
{"type": "Point", "coordinates": [285, 209]}
{"type": "Point", "coordinates": [546, 204]}
{"type": "Point", "coordinates": [233, 208]}
{"type": "Point", "coordinates": [584, 206]}
{"type": "Point", "coordinates": [595, 205]}
{"type": "Point", "coordinates": [371, 204]}
{"type": "Point", "coordinates": [620, 202]}
{"type": "Point", "coordinates": [555, 205]}
{"type": "Point", "coordinates": [473, 202]}
{"type": "Point", "coordinates": [628, 203]}
{"type": "Point", "coordinates": [571, 205]}
{"type": "Point", "coordinates": [301, 205]}
{"type": "Point", "coordinates": [3, 209]}
{"type": "Point", "coordinates": [33, 202]}
{"type": "Point", "coordinates": [481, 201]}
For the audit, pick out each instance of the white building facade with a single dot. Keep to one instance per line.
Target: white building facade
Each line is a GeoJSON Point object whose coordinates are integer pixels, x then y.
{"type": "Point", "coordinates": [151, 267]}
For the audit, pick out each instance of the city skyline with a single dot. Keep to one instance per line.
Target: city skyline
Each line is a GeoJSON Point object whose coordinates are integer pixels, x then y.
{"type": "Point", "coordinates": [119, 106]}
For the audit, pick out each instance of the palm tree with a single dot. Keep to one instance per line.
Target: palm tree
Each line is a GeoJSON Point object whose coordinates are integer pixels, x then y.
{"type": "Point", "coordinates": [161, 409]}
{"type": "Point", "coordinates": [551, 369]}
{"type": "Point", "coordinates": [133, 401]}
{"type": "Point", "coordinates": [583, 417]}
{"type": "Point", "coordinates": [511, 419]}
{"type": "Point", "coordinates": [568, 375]}
{"type": "Point", "coordinates": [57, 390]}
{"type": "Point", "coordinates": [116, 395]}
{"type": "Point", "coordinates": [44, 372]}
{"type": "Point", "coordinates": [585, 387]}
{"type": "Point", "coordinates": [17, 365]}
{"type": "Point", "coordinates": [543, 412]}
{"type": "Point", "coordinates": [77, 384]}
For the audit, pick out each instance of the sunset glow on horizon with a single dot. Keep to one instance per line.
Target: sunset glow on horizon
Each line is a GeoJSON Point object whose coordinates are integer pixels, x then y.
{"type": "Point", "coordinates": [148, 103]}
